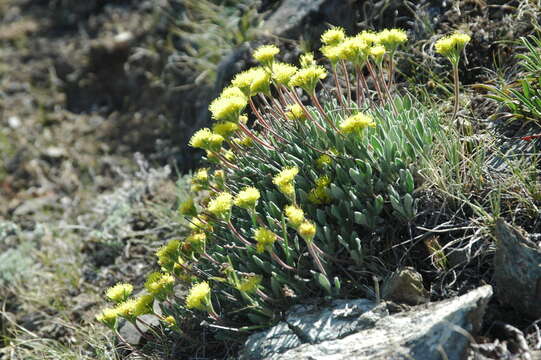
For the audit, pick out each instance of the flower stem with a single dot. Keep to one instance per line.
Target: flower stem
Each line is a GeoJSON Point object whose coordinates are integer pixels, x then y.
{"type": "Point", "coordinates": [456, 88]}
{"type": "Point", "coordinates": [338, 87]}
{"type": "Point", "coordinates": [346, 75]}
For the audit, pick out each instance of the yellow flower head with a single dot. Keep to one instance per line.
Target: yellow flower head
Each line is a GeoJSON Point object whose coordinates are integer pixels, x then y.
{"type": "Point", "coordinates": [221, 205]}
{"type": "Point", "coordinates": [356, 123]}
{"type": "Point", "coordinates": [295, 215]}
{"type": "Point", "coordinates": [307, 60]}
{"type": "Point", "coordinates": [377, 53]}
{"type": "Point", "coordinates": [249, 284]}
{"type": "Point", "coordinates": [200, 223]}
{"type": "Point", "coordinates": [369, 37]}
{"type": "Point", "coordinates": [198, 296]}
{"type": "Point", "coordinates": [392, 38]}
{"type": "Point", "coordinates": [199, 140]}
{"type": "Point", "coordinates": [187, 208]}
{"type": "Point", "coordinates": [307, 231]}
{"type": "Point", "coordinates": [260, 82]}
{"type": "Point", "coordinates": [126, 309]}
{"type": "Point", "coordinates": [227, 108]}
{"type": "Point", "coordinates": [323, 161]}
{"type": "Point", "coordinates": [353, 49]}
{"type": "Point", "coordinates": [231, 91]}
{"type": "Point", "coordinates": [265, 54]}
{"type": "Point", "coordinates": [119, 293]}
{"type": "Point", "coordinates": [451, 46]}
{"type": "Point", "coordinates": [168, 254]}
{"type": "Point", "coordinates": [333, 36]}
{"type": "Point", "coordinates": [206, 140]}
{"type": "Point", "coordinates": [285, 176]}
{"type": "Point", "coordinates": [160, 284]}
{"type": "Point", "coordinates": [319, 196]}
{"type": "Point", "coordinates": [295, 112]}
{"type": "Point", "coordinates": [243, 81]}
{"type": "Point", "coordinates": [333, 53]}
{"type": "Point", "coordinates": [197, 239]}
{"type": "Point", "coordinates": [247, 198]}
{"type": "Point", "coordinates": [225, 129]}
{"type": "Point", "coordinates": [264, 238]}
{"type": "Point", "coordinates": [307, 78]}
{"type": "Point", "coordinates": [282, 72]}
{"type": "Point", "coordinates": [143, 305]}
{"type": "Point", "coordinates": [108, 317]}
{"type": "Point", "coordinates": [323, 181]}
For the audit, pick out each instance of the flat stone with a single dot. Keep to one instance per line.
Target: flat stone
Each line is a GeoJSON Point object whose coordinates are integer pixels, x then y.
{"type": "Point", "coordinates": [426, 332]}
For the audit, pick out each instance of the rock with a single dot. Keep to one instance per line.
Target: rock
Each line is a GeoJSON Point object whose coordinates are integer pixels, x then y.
{"type": "Point", "coordinates": [310, 324]}
{"type": "Point", "coordinates": [130, 334]}
{"type": "Point", "coordinates": [342, 318]}
{"type": "Point", "coordinates": [309, 18]}
{"type": "Point", "coordinates": [431, 331]}
{"type": "Point", "coordinates": [405, 286]}
{"type": "Point", "coordinates": [517, 270]}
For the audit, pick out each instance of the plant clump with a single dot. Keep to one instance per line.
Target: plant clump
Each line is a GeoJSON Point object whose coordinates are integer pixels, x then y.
{"type": "Point", "coordinates": [298, 199]}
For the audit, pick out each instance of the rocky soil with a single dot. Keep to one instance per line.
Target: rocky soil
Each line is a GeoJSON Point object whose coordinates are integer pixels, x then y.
{"type": "Point", "coordinates": [95, 116]}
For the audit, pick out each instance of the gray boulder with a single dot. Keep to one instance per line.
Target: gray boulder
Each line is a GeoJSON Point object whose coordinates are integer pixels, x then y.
{"type": "Point", "coordinates": [517, 270]}
{"type": "Point", "coordinates": [358, 329]}
{"type": "Point", "coordinates": [309, 18]}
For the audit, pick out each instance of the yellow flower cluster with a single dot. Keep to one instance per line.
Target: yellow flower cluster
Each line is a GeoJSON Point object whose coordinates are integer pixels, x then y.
{"type": "Point", "coordinates": [307, 231]}
{"type": "Point", "coordinates": [307, 78]}
{"type": "Point", "coordinates": [377, 53]}
{"type": "Point", "coordinates": [200, 223]}
{"type": "Point", "coordinates": [295, 215]}
{"type": "Point", "coordinates": [282, 72]}
{"type": "Point", "coordinates": [265, 54]}
{"type": "Point", "coordinates": [249, 284]}
{"type": "Point", "coordinates": [356, 123]}
{"type": "Point", "coordinates": [206, 140]}
{"type": "Point", "coordinates": [247, 198]}
{"type": "Point", "coordinates": [354, 49]}
{"type": "Point", "coordinates": [221, 205]}
{"type": "Point", "coordinates": [108, 317]}
{"type": "Point", "coordinates": [127, 309]}
{"type": "Point", "coordinates": [264, 238]}
{"type": "Point", "coordinates": [160, 284]}
{"type": "Point", "coordinates": [319, 195]}
{"type": "Point", "coordinates": [260, 82]}
{"type": "Point", "coordinates": [295, 112]}
{"type": "Point", "coordinates": [119, 293]}
{"type": "Point", "coordinates": [323, 161]}
{"type": "Point", "coordinates": [143, 305]}
{"type": "Point", "coordinates": [187, 208]}
{"type": "Point", "coordinates": [369, 37]}
{"type": "Point", "coordinates": [333, 36]}
{"type": "Point", "coordinates": [228, 108]}
{"type": "Point", "coordinates": [252, 81]}
{"type": "Point", "coordinates": [358, 48]}
{"type": "Point", "coordinates": [392, 38]}
{"type": "Point", "coordinates": [452, 45]}
{"type": "Point", "coordinates": [307, 60]}
{"type": "Point", "coordinates": [198, 296]}
{"type": "Point", "coordinates": [285, 181]}
{"type": "Point", "coordinates": [168, 253]}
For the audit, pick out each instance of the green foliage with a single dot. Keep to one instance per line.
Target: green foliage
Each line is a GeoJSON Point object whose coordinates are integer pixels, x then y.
{"type": "Point", "coordinates": [522, 98]}
{"type": "Point", "coordinates": [371, 198]}
{"type": "Point", "coordinates": [209, 29]}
